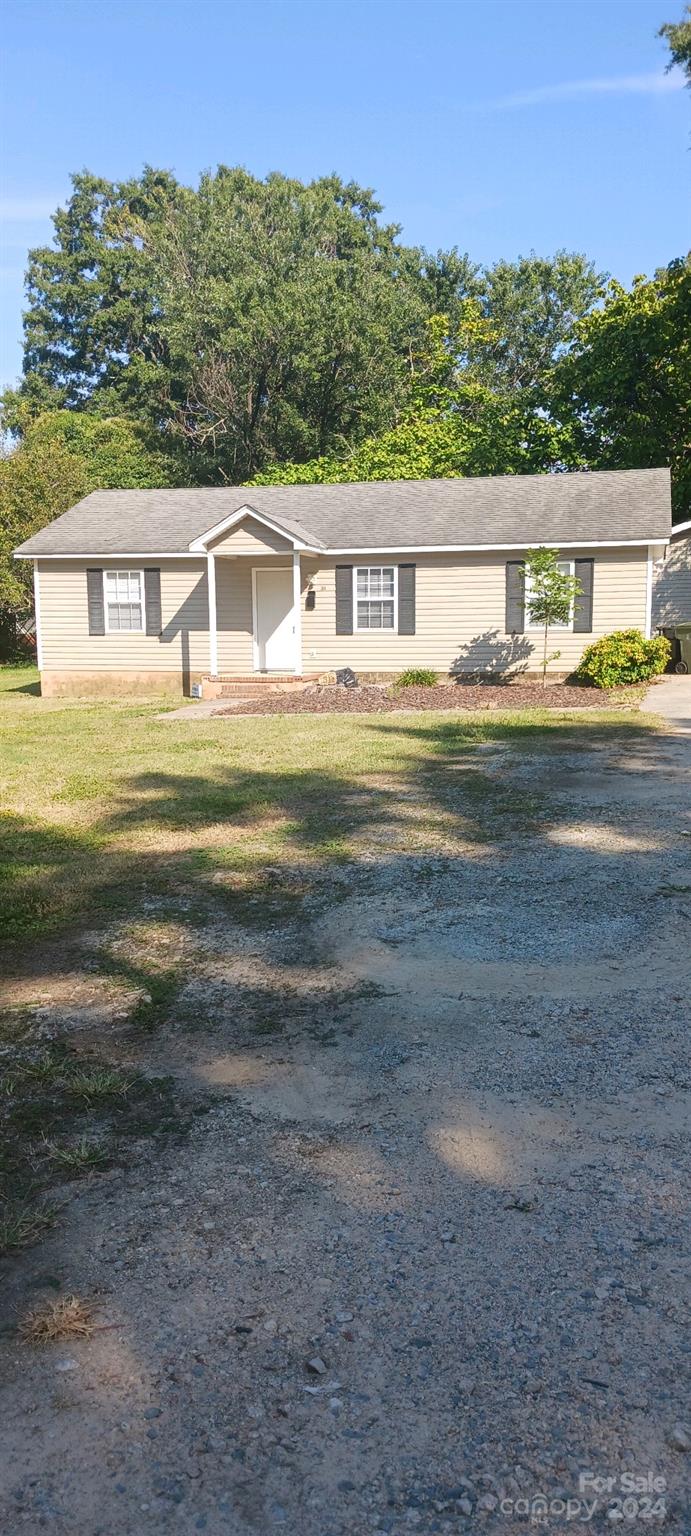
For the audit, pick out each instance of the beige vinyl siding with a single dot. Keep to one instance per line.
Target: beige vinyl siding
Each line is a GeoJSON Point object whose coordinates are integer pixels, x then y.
{"type": "Point", "coordinates": [672, 584]}
{"type": "Point", "coordinates": [460, 614]}
{"type": "Point", "coordinates": [460, 607]}
{"type": "Point", "coordinates": [68, 646]}
{"type": "Point", "coordinates": [234, 611]}
{"type": "Point", "coordinates": [250, 538]}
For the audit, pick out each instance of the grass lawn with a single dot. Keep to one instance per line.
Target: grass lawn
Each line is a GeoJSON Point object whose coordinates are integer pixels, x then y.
{"type": "Point", "coordinates": [115, 822]}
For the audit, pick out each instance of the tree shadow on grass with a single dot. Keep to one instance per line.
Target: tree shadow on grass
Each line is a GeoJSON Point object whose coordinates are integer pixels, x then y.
{"type": "Point", "coordinates": [459, 1163]}
{"type": "Point", "coordinates": [238, 850]}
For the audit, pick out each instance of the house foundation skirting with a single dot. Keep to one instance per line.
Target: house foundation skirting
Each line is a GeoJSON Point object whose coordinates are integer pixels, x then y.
{"type": "Point", "coordinates": [113, 685]}
{"type": "Point", "coordinates": [119, 685]}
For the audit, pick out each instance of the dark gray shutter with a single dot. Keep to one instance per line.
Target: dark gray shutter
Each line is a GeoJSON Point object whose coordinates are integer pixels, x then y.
{"type": "Point", "coordinates": [94, 597]}
{"type": "Point", "coordinates": [583, 607]}
{"type": "Point", "coordinates": [515, 598]}
{"type": "Point", "coordinates": [406, 599]}
{"type": "Point", "coordinates": [344, 599]}
{"type": "Point", "coordinates": [152, 600]}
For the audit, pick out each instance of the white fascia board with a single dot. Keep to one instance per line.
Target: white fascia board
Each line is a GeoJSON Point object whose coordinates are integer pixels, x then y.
{"type": "Point", "coordinates": [373, 549]}
{"type": "Point", "coordinates": [199, 545]}
{"type": "Point", "coordinates": [459, 549]}
{"type": "Point", "coordinates": [111, 554]}
{"type": "Point", "coordinates": [679, 528]}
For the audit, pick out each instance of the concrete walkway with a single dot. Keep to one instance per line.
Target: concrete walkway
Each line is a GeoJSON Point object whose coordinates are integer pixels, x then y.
{"type": "Point", "coordinates": [671, 698]}
{"type": "Point", "coordinates": [202, 709]}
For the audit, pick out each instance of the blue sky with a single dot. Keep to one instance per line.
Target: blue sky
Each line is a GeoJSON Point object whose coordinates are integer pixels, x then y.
{"type": "Point", "coordinates": [499, 126]}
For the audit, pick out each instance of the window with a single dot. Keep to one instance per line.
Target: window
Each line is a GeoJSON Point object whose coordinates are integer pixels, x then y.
{"type": "Point", "coordinates": [567, 569]}
{"type": "Point", "coordinates": [375, 597]}
{"type": "Point", "coordinates": [124, 600]}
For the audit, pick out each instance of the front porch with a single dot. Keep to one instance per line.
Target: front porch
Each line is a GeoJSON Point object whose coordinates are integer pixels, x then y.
{"type": "Point", "coordinates": [254, 617]}
{"type": "Point", "coordinates": [254, 595]}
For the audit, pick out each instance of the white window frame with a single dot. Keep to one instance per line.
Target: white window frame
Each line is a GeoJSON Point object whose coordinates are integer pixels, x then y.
{"type": "Point", "coordinates": [119, 570]}
{"type": "Point", "coordinates": [382, 565]}
{"type": "Point", "coordinates": [538, 628]}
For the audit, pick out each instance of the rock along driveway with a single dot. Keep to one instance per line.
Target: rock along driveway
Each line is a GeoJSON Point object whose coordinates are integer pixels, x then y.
{"type": "Point", "coordinates": [422, 1260]}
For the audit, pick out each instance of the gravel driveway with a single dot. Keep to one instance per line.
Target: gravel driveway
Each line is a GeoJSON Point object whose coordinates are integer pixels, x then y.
{"type": "Point", "coordinates": [421, 1260]}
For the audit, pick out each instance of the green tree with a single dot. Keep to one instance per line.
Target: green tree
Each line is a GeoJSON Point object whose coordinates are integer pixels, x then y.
{"type": "Point", "coordinates": [625, 383]}
{"type": "Point", "coordinates": [264, 320]}
{"type": "Point", "coordinates": [454, 424]}
{"type": "Point", "coordinates": [533, 305]}
{"type": "Point", "coordinates": [62, 457]}
{"type": "Point", "coordinates": [92, 338]}
{"type": "Point", "coordinates": [290, 312]}
{"type": "Point", "coordinates": [549, 596]}
{"type": "Point", "coordinates": [677, 35]}
{"type": "Point", "coordinates": [257, 319]}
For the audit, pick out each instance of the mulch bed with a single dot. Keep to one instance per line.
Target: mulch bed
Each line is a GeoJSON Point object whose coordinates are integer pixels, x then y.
{"type": "Point", "coordinates": [374, 700]}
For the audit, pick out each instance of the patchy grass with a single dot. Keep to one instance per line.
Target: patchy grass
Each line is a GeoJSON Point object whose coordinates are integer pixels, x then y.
{"type": "Point", "coordinates": [22, 1224]}
{"type": "Point", "coordinates": [142, 831]}
{"type": "Point", "coordinates": [62, 1115]}
{"type": "Point", "coordinates": [75, 1157]}
{"type": "Point", "coordinates": [107, 806]}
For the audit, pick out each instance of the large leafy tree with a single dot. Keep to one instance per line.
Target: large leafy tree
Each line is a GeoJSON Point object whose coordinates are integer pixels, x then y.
{"type": "Point", "coordinates": [455, 424]}
{"type": "Point", "coordinates": [252, 319]}
{"type": "Point", "coordinates": [63, 456]}
{"type": "Point", "coordinates": [258, 321]}
{"type": "Point", "coordinates": [625, 383]}
{"type": "Point", "coordinates": [533, 305]}
{"type": "Point", "coordinates": [289, 313]}
{"type": "Point", "coordinates": [92, 333]}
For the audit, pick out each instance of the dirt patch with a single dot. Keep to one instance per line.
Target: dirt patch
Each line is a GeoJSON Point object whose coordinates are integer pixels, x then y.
{"type": "Point", "coordinates": [375, 700]}
{"type": "Point", "coordinates": [424, 1253]}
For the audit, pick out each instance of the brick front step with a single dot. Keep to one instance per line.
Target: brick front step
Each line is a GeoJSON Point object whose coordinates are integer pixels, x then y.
{"type": "Point", "coordinates": [254, 686]}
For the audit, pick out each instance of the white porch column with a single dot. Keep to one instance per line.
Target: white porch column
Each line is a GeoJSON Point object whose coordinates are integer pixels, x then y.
{"type": "Point", "coordinates": [213, 633]}
{"type": "Point", "coordinates": [297, 612]}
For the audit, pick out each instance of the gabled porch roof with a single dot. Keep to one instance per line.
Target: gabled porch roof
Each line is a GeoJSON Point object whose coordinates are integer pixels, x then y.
{"type": "Point", "coordinates": [283, 526]}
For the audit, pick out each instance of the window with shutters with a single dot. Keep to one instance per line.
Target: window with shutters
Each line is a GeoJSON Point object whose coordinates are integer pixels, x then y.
{"type": "Point", "coordinates": [375, 596]}
{"type": "Point", "coordinates": [567, 569]}
{"type": "Point", "coordinates": [124, 600]}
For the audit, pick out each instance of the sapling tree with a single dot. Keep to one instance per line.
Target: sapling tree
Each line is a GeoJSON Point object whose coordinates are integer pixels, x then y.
{"type": "Point", "coordinates": [550, 593]}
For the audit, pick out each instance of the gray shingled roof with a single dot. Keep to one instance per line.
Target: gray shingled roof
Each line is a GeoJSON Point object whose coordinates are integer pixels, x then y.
{"type": "Point", "coordinates": [506, 510]}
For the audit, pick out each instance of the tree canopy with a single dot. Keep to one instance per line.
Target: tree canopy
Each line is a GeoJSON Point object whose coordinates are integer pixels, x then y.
{"type": "Point", "coordinates": [677, 35]}
{"type": "Point", "coordinates": [275, 330]}
{"type": "Point", "coordinates": [63, 456]}
{"type": "Point", "coordinates": [254, 322]}
{"type": "Point", "coordinates": [455, 424]}
{"type": "Point", "coordinates": [625, 383]}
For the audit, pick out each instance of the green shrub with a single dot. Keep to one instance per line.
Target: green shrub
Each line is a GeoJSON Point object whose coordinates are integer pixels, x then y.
{"type": "Point", "coordinates": [417, 677]}
{"type": "Point", "coordinates": [624, 657]}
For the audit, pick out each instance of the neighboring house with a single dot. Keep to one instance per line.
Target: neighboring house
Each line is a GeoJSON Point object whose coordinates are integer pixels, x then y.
{"type": "Point", "coordinates": [672, 580]}
{"type": "Point", "coordinates": [143, 590]}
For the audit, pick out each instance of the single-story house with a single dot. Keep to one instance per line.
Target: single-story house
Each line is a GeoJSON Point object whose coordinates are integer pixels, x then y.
{"type": "Point", "coordinates": [147, 590]}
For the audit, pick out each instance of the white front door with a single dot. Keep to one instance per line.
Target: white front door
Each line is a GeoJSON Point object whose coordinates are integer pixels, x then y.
{"type": "Point", "coordinates": [274, 626]}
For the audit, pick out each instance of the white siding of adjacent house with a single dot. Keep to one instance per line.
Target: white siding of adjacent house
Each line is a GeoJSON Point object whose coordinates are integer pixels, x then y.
{"type": "Point", "coordinates": [672, 584]}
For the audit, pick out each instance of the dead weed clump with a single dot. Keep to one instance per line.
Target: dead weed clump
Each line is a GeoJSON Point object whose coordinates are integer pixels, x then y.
{"type": "Point", "coordinates": [69, 1317]}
